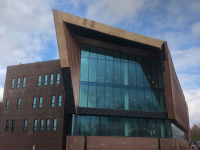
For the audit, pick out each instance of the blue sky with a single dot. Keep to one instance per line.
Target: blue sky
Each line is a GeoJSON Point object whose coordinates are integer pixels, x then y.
{"type": "Point", "coordinates": [27, 33]}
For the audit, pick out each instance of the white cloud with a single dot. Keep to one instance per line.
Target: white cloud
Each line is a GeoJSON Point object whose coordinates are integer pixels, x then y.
{"type": "Point", "coordinates": [26, 28]}
{"type": "Point", "coordinates": [186, 59]}
{"type": "Point", "coordinates": [1, 93]}
{"type": "Point", "coordinates": [196, 29]}
{"type": "Point", "coordinates": [193, 101]}
{"type": "Point", "coordinates": [114, 11]}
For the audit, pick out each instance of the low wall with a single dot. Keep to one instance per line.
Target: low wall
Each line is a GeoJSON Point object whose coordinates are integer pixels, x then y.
{"type": "Point", "coordinates": [123, 143]}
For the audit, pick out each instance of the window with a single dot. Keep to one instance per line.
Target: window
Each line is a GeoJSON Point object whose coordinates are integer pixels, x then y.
{"type": "Point", "coordinates": [18, 82]}
{"type": "Point", "coordinates": [24, 82]}
{"type": "Point", "coordinates": [40, 102]}
{"type": "Point", "coordinates": [7, 125]}
{"type": "Point", "coordinates": [45, 79]}
{"type": "Point", "coordinates": [51, 79]}
{"type": "Point", "coordinates": [58, 79]}
{"type": "Point", "coordinates": [13, 126]}
{"type": "Point", "coordinates": [18, 103]}
{"type": "Point", "coordinates": [53, 101]}
{"type": "Point", "coordinates": [39, 80]}
{"type": "Point", "coordinates": [54, 124]}
{"type": "Point", "coordinates": [34, 102]}
{"type": "Point", "coordinates": [12, 84]}
{"type": "Point", "coordinates": [59, 100]}
{"type": "Point", "coordinates": [120, 126]}
{"type": "Point", "coordinates": [41, 124]}
{"type": "Point", "coordinates": [115, 80]}
{"type": "Point", "coordinates": [35, 125]}
{"type": "Point", "coordinates": [25, 125]}
{"type": "Point", "coordinates": [7, 104]}
{"type": "Point", "coordinates": [48, 125]}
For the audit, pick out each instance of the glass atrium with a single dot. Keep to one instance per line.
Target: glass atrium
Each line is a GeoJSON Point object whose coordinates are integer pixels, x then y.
{"type": "Point", "coordinates": [115, 80]}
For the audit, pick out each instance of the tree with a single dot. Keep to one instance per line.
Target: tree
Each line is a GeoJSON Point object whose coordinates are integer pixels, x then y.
{"type": "Point", "coordinates": [195, 133]}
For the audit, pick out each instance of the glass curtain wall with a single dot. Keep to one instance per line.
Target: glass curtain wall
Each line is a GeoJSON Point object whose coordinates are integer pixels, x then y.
{"type": "Point", "coordinates": [121, 126]}
{"type": "Point", "coordinates": [115, 80]}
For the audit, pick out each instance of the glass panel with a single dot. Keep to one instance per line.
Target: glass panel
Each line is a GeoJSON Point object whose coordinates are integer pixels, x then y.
{"type": "Point", "coordinates": [125, 97]}
{"type": "Point", "coordinates": [131, 58]}
{"type": "Point", "coordinates": [18, 82]}
{"type": "Point", "coordinates": [101, 71]}
{"type": "Point", "coordinates": [154, 62]}
{"type": "Point", "coordinates": [146, 61]}
{"type": "Point", "coordinates": [142, 127]}
{"type": "Point", "coordinates": [84, 69]}
{"type": "Point", "coordinates": [139, 75]}
{"type": "Point", "coordinates": [101, 53]}
{"type": "Point", "coordinates": [135, 127]}
{"type": "Point", "coordinates": [163, 105]}
{"type": "Point", "coordinates": [84, 50]}
{"type": "Point", "coordinates": [95, 124]}
{"type": "Point", "coordinates": [109, 96]}
{"type": "Point", "coordinates": [132, 74]}
{"type": "Point", "coordinates": [160, 128]}
{"type": "Point", "coordinates": [59, 100]}
{"type": "Point", "coordinates": [93, 52]}
{"type": "Point", "coordinates": [104, 126]}
{"type": "Point", "coordinates": [48, 124]}
{"type": "Point", "coordinates": [140, 98]}
{"type": "Point", "coordinates": [124, 73]}
{"type": "Point", "coordinates": [168, 129]}
{"type": "Point", "coordinates": [18, 103]}
{"type": "Point", "coordinates": [117, 97]}
{"type": "Point", "coordinates": [132, 98]}
{"type": "Point", "coordinates": [54, 124]}
{"type": "Point", "coordinates": [160, 74]}
{"type": "Point", "coordinates": [24, 82]}
{"type": "Point", "coordinates": [100, 95]}
{"type": "Point", "coordinates": [124, 57]}
{"type": "Point", "coordinates": [12, 84]}
{"type": "Point", "coordinates": [154, 76]}
{"type": "Point", "coordinates": [58, 78]}
{"type": "Point", "coordinates": [92, 95]}
{"type": "Point", "coordinates": [109, 71]}
{"type": "Point", "coordinates": [116, 56]}
{"type": "Point", "coordinates": [53, 101]}
{"type": "Point", "coordinates": [93, 70]}
{"type": "Point", "coordinates": [156, 101]}
{"type": "Point", "coordinates": [84, 125]}
{"type": "Point", "coordinates": [114, 126]}
{"type": "Point", "coordinates": [51, 82]}
{"type": "Point", "coordinates": [39, 80]}
{"type": "Point", "coordinates": [148, 99]}
{"type": "Point", "coordinates": [122, 126]}
{"type": "Point", "coordinates": [151, 128]}
{"type": "Point", "coordinates": [45, 79]}
{"type": "Point", "coordinates": [40, 104]}
{"type": "Point", "coordinates": [109, 55]}
{"type": "Point", "coordinates": [139, 59]}
{"type": "Point", "coordinates": [83, 94]}
{"type": "Point", "coordinates": [147, 75]}
{"type": "Point", "coordinates": [116, 72]}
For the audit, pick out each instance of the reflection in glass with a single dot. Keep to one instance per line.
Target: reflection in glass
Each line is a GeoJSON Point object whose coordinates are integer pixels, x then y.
{"type": "Point", "coordinates": [92, 95]}
{"type": "Point", "coordinates": [83, 94]}
{"type": "Point", "coordinates": [84, 69]}
{"type": "Point", "coordinates": [93, 70]}
{"type": "Point", "coordinates": [101, 71]}
{"type": "Point", "coordinates": [109, 96]}
{"type": "Point", "coordinates": [122, 126]}
{"type": "Point", "coordinates": [109, 71]}
{"type": "Point", "coordinates": [128, 82]}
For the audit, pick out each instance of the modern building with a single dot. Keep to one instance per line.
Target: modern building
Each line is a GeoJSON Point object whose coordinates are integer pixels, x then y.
{"type": "Point", "coordinates": [110, 89]}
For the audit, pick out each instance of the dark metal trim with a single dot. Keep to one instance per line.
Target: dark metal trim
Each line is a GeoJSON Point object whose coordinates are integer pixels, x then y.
{"type": "Point", "coordinates": [122, 113]}
{"type": "Point", "coordinates": [85, 143]}
{"type": "Point", "coordinates": [67, 81]}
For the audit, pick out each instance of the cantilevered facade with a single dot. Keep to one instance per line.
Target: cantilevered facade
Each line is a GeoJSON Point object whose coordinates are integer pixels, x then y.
{"type": "Point", "coordinates": [111, 89]}
{"type": "Point", "coordinates": [123, 85]}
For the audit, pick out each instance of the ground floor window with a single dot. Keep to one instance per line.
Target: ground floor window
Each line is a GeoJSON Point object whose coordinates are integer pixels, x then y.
{"type": "Point", "coordinates": [119, 126]}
